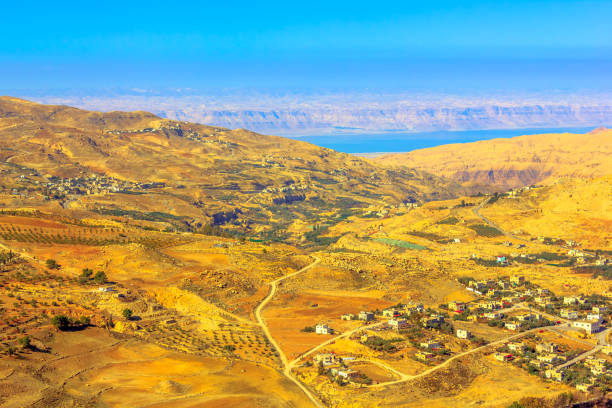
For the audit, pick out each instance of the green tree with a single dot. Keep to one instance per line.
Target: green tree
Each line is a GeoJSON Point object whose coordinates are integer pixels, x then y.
{"type": "Point", "coordinates": [100, 277]}
{"type": "Point", "coordinates": [127, 313]}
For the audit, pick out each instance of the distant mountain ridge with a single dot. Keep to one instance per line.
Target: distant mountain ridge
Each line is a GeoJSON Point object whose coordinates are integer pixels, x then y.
{"type": "Point", "coordinates": [404, 118]}
{"type": "Point", "coordinates": [360, 112]}
{"type": "Point", "coordinates": [500, 164]}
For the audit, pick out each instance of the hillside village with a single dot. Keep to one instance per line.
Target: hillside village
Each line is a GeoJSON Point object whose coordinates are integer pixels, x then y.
{"type": "Point", "coordinates": [527, 314]}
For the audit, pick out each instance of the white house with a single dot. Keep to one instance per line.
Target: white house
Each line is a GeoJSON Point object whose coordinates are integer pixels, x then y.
{"type": "Point", "coordinates": [398, 324]}
{"type": "Point", "coordinates": [517, 347]}
{"type": "Point", "coordinates": [391, 313]}
{"type": "Point", "coordinates": [431, 345]}
{"type": "Point", "coordinates": [594, 317]}
{"type": "Point", "coordinates": [570, 300]}
{"type": "Point", "coordinates": [589, 327]}
{"type": "Point", "coordinates": [456, 306]}
{"type": "Point", "coordinates": [366, 316]}
{"type": "Point", "coordinates": [493, 315]}
{"type": "Point", "coordinates": [463, 334]}
{"type": "Point", "coordinates": [569, 314]}
{"type": "Point", "coordinates": [513, 325]}
{"type": "Point", "coordinates": [323, 329]}
{"type": "Point", "coordinates": [600, 309]}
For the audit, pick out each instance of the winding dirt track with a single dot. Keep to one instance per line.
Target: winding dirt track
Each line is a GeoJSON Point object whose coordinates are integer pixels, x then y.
{"type": "Point", "coordinates": [288, 366]}
{"type": "Point", "coordinates": [285, 363]}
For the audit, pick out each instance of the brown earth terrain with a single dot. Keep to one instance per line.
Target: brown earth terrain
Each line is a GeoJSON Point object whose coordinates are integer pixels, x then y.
{"type": "Point", "coordinates": [121, 285]}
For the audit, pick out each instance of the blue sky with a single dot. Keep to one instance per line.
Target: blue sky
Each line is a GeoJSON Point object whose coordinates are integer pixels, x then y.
{"type": "Point", "coordinates": [443, 44]}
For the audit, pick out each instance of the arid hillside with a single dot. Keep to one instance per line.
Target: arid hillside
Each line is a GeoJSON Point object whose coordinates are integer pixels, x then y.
{"type": "Point", "coordinates": [190, 176]}
{"type": "Point", "coordinates": [573, 209]}
{"type": "Point", "coordinates": [153, 263]}
{"type": "Point", "coordinates": [501, 164]}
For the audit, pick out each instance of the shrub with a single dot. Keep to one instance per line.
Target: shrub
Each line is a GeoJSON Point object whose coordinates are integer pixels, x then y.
{"type": "Point", "coordinates": [84, 320]}
{"type": "Point", "coordinates": [127, 313]}
{"type": "Point", "coordinates": [52, 264]}
{"type": "Point", "coordinates": [61, 322]}
{"type": "Point", "coordinates": [25, 342]}
{"type": "Point", "coordinates": [465, 280]}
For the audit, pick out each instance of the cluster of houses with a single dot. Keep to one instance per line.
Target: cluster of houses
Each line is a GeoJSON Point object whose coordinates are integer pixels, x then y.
{"type": "Point", "coordinates": [578, 311]}
{"type": "Point", "coordinates": [336, 366]}
{"type": "Point", "coordinates": [52, 187]}
{"type": "Point", "coordinates": [545, 358]}
{"type": "Point", "coordinates": [501, 294]}
{"type": "Point", "coordinates": [95, 184]}
{"type": "Point", "coordinates": [396, 315]}
{"type": "Point", "coordinates": [598, 368]}
{"type": "Point", "coordinates": [428, 349]}
{"type": "Point", "coordinates": [552, 363]}
{"type": "Point", "coordinates": [174, 128]}
{"type": "Point", "coordinates": [580, 256]}
{"type": "Point", "coordinates": [515, 192]}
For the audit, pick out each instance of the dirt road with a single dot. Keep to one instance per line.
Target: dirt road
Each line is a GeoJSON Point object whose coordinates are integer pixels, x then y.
{"type": "Point", "coordinates": [285, 363]}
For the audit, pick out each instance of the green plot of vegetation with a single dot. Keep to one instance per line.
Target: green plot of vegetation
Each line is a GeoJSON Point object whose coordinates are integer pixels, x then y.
{"type": "Point", "coordinates": [449, 221]}
{"type": "Point", "coordinates": [400, 243]}
{"type": "Point", "coordinates": [605, 271]}
{"type": "Point", "coordinates": [486, 230]}
{"type": "Point", "coordinates": [427, 235]}
{"type": "Point", "coordinates": [138, 215]}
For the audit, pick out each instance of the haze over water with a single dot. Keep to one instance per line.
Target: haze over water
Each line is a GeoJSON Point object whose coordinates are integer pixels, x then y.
{"type": "Point", "coordinates": [405, 142]}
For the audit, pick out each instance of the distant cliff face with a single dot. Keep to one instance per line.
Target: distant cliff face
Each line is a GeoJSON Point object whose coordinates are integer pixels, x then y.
{"type": "Point", "coordinates": [500, 164]}
{"type": "Point", "coordinates": [366, 112]}
{"type": "Point", "coordinates": [403, 118]}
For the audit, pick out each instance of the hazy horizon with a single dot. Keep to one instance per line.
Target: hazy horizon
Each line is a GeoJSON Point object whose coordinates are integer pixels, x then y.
{"type": "Point", "coordinates": [321, 69]}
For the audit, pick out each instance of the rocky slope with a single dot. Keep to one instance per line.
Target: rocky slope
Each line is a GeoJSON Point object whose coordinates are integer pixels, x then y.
{"type": "Point", "coordinates": [500, 164]}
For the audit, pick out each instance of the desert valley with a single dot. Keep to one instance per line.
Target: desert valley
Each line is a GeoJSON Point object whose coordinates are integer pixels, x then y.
{"type": "Point", "coordinates": [147, 262]}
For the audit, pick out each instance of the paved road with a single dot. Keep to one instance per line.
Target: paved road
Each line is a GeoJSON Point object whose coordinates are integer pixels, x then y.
{"type": "Point", "coordinates": [262, 323]}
